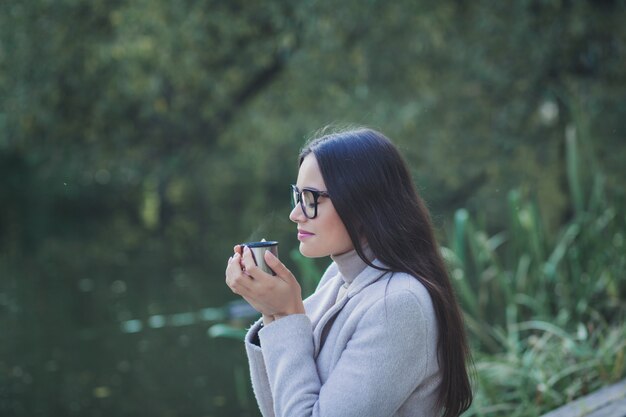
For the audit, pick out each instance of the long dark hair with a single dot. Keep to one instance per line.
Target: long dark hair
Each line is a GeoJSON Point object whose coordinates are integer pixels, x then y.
{"type": "Point", "coordinates": [372, 190]}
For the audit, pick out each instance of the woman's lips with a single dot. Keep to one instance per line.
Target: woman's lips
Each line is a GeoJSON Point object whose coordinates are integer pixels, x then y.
{"type": "Point", "coordinates": [303, 234]}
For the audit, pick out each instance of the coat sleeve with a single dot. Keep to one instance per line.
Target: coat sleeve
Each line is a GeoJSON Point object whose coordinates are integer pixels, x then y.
{"type": "Point", "coordinates": [258, 373]}
{"type": "Point", "coordinates": [382, 364]}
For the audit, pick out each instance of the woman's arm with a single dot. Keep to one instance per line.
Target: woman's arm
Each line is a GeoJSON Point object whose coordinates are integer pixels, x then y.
{"type": "Point", "coordinates": [258, 372]}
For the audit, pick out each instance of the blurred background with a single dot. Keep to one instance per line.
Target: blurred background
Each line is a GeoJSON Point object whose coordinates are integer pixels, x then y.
{"type": "Point", "coordinates": [140, 140]}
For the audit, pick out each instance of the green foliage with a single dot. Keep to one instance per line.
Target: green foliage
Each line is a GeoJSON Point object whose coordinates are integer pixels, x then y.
{"type": "Point", "coordinates": [545, 313]}
{"type": "Point", "coordinates": [308, 272]}
{"type": "Point", "coordinates": [546, 367]}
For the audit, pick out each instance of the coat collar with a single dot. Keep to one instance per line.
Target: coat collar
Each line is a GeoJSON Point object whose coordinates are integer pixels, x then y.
{"type": "Point", "coordinates": [322, 308]}
{"type": "Point", "coordinates": [368, 276]}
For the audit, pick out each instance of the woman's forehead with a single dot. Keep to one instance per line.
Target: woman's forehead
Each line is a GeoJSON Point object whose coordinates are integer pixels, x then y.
{"type": "Point", "coordinates": [309, 174]}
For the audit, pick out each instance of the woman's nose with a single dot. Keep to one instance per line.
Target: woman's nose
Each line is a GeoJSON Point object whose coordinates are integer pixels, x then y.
{"type": "Point", "coordinates": [296, 215]}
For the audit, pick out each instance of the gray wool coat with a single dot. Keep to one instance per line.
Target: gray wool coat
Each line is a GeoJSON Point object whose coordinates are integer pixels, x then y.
{"type": "Point", "coordinates": [370, 354]}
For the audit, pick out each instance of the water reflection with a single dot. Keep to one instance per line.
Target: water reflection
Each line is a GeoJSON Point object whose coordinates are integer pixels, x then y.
{"type": "Point", "coordinates": [235, 312]}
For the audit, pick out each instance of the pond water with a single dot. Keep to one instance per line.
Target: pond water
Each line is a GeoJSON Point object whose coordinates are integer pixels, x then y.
{"type": "Point", "coordinates": [109, 347]}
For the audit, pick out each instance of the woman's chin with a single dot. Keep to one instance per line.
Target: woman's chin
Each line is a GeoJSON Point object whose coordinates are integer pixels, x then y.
{"type": "Point", "coordinates": [309, 252]}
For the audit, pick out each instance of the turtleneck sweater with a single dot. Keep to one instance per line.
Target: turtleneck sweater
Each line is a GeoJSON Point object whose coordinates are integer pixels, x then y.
{"type": "Point", "coordinates": [350, 265]}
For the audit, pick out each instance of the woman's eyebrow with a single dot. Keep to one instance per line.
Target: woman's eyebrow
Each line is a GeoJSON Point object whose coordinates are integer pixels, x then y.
{"type": "Point", "coordinates": [309, 188]}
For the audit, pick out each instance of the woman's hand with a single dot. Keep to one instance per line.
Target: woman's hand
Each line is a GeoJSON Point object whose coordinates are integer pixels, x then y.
{"type": "Point", "coordinates": [273, 296]}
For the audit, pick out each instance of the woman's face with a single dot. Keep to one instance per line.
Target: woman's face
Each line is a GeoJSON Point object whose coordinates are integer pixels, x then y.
{"type": "Point", "coordinates": [325, 234]}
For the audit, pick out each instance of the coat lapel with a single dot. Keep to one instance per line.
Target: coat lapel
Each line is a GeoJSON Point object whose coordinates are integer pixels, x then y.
{"type": "Point", "coordinates": [322, 308]}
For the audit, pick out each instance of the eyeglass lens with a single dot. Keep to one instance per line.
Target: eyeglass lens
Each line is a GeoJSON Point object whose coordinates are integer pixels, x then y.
{"type": "Point", "coordinates": [307, 202]}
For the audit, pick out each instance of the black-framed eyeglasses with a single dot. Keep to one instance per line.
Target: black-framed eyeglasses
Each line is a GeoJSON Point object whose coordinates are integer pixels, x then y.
{"type": "Point", "coordinates": [308, 200]}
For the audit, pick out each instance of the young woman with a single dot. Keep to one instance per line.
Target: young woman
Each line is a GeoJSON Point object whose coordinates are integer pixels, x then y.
{"type": "Point", "coordinates": [382, 335]}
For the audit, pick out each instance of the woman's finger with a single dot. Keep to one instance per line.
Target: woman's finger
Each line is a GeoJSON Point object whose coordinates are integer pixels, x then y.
{"type": "Point", "coordinates": [234, 263]}
{"type": "Point", "coordinates": [239, 284]}
{"type": "Point", "coordinates": [277, 266]}
{"type": "Point", "coordinates": [236, 279]}
{"type": "Point", "coordinates": [250, 264]}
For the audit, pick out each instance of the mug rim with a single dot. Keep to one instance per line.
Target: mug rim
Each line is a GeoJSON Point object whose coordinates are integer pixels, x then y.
{"type": "Point", "coordinates": [261, 244]}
